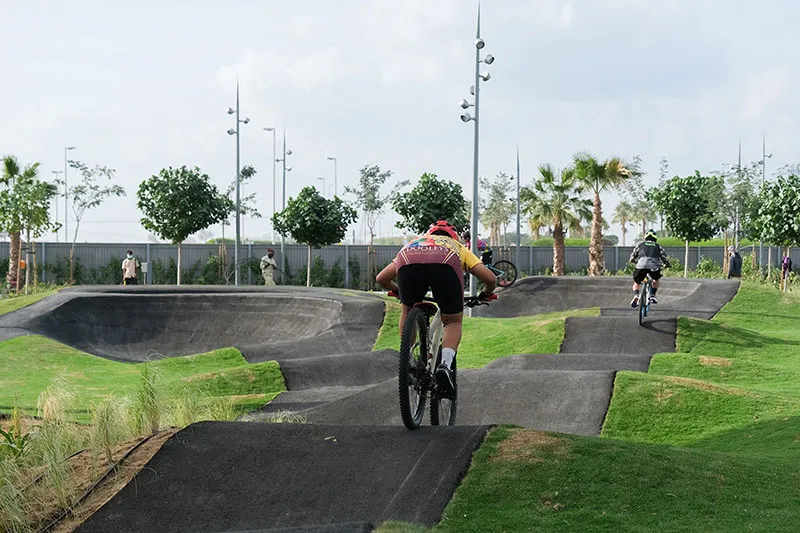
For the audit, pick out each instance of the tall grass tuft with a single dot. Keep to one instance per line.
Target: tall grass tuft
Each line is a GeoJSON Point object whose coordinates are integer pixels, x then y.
{"type": "Point", "coordinates": [14, 508]}
{"type": "Point", "coordinates": [149, 401]}
{"type": "Point", "coordinates": [111, 424]}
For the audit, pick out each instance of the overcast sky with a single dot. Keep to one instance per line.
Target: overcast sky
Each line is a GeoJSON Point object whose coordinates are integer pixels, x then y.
{"type": "Point", "coordinates": [139, 86]}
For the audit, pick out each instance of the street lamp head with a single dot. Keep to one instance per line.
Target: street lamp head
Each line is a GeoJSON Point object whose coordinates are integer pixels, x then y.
{"type": "Point", "coordinates": [479, 43]}
{"type": "Point", "coordinates": [269, 129]}
{"type": "Point", "coordinates": [231, 131]}
{"type": "Point", "coordinates": [330, 158]}
{"type": "Point", "coordinates": [69, 148]}
{"type": "Point", "coordinates": [768, 156]}
{"type": "Point", "coordinates": [231, 111]}
{"type": "Point", "coordinates": [246, 120]}
{"type": "Point", "coordinates": [466, 117]}
{"type": "Point", "coordinates": [485, 76]}
{"type": "Point", "coordinates": [288, 152]}
{"type": "Point", "coordinates": [464, 104]}
{"type": "Point", "coordinates": [288, 169]}
{"type": "Point", "coordinates": [472, 90]}
{"type": "Point", "coordinates": [489, 59]}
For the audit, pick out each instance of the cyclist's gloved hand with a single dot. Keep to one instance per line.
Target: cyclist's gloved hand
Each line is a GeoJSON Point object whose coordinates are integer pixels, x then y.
{"type": "Point", "coordinates": [486, 297]}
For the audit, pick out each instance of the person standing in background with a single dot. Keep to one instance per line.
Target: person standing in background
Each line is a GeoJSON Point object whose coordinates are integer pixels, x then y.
{"type": "Point", "coordinates": [129, 266]}
{"type": "Point", "coordinates": [268, 267]}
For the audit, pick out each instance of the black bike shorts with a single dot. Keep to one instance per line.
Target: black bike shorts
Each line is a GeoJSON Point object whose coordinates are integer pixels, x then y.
{"type": "Point", "coordinates": [416, 279]}
{"type": "Point", "coordinates": [640, 273]}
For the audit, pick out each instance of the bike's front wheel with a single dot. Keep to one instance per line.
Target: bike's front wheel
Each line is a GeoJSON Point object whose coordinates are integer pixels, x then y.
{"type": "Point", "coordinates": [412, 372]}
{"type": "Point", "coordinates": [509, 273]}
{"type": "Point", "coordinates": [644, 295]}
{"type": "Point", "coordinates": [443, 410]}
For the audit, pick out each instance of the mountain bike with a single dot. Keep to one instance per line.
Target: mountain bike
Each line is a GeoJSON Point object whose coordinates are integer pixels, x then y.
{"type": "Point", "coordinates": [644, 298]}
{"type": "Point", "coordinates": [506, 272]}
{"type": "Point", "coordinates": [422, 338]}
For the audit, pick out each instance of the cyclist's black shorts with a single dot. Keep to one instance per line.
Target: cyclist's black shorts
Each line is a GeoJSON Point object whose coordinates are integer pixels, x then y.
{"type": "Point", "coordinates": [640, 273]}
{"type": "Point", "coordinates": [416, 279]}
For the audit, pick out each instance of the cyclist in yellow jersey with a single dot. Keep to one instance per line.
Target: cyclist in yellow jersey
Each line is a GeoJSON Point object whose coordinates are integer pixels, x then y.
{"type": "Point", "coordinates": [436, 261]}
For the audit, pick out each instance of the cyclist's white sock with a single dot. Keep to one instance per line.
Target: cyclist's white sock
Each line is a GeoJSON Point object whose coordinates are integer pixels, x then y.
{"type": "Point", "coordinates": [448, 354]}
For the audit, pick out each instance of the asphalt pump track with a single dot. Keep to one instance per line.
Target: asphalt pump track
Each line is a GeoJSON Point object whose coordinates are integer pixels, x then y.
{"type": "Point", "coordinates": [353, 465]}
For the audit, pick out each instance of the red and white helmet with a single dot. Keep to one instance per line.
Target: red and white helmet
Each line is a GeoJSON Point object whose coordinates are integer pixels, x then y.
{"type": "Point", "coordinates": [443, 227]}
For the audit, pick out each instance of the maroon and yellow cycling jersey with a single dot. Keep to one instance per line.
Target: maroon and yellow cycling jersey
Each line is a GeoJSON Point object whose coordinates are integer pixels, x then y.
{"type": "Point", "coordinates": [429, 249]}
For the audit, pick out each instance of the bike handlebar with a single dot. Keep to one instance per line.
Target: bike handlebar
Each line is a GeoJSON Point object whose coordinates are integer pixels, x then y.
{"type": "Point", "coordinates": [469, 301]}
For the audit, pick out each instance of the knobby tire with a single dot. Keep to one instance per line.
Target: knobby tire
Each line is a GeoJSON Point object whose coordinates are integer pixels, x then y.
{"type": "Point", "coordinates": [510, 271]}
{"type": "Point", "coordinates": [411, 371]}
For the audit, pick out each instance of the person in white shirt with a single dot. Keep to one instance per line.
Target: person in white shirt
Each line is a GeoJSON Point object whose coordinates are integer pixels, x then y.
{"type": "Point", "coordinates": [268, 267]}
{"type": "Point", "coordinates": [129, 265]}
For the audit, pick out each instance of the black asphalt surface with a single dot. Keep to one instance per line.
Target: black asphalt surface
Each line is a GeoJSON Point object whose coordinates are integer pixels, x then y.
{"type": "Point", "coordinates": [354, 464]}
{"type": "Point", "coordinates": [238, 476]}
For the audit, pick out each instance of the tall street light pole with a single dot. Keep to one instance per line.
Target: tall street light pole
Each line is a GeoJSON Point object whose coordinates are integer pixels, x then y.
{"type": "Point", "coordinates": [56, 173]}
{"type": "Point", "coordinates": [764, 156]}
{"type": "Point", "coordinates": [283, 192]}
{"type": "Point", "coordinates": [465, 117]}
{"type": "Point", "coordinates": [335, 177]}
{"type": "Point", "coordinates": [232, 131]}
{"type": "Point", "coordinates": [516, 256]}
{"type": "Point", "coordinates": [274, 155]}
{"type": "Point", "coordinates": [322, 178]}
{"type": "Point", "coordinates": [66, 195]}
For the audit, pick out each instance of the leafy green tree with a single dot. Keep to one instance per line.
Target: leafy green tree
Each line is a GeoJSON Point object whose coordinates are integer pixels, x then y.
{"type": "Point", "coordinates": [178, 202]}
{"type": "Point", "coordinates": [88, 193]}
{"type": "Point", "coordinates": [371, 201]}
{"type": "Point", "coordinates": [691, 208]}
{"type": "Point", "coordinates": [25, 205]}
{"type": "Point", "coordinates": [597, 177]}
{"type": "Point", "coordinates": [556, 200]}
{"type": "Point", "coordinates": [622, 216]}
{"type": "Point", "coordinates": [430, 200]}
{"type": "Point", "coordinates": [778, 219]}
{"type": "Point", "coordinates": [247, 203]}
{"type": "Point", "coordinates": [314, 220]}
{"type": "Point", "coordinates": [498, 209]}
{"type": "Point", "coordinates": [741, 187]}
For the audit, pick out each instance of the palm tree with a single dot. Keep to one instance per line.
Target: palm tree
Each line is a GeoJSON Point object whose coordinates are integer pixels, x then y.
{"type": "Point", "coordinates": [11, 173]}
{"type": "Point", "coordinates": [555, 200]}
{"type": "Point", "coordinates": [622, 216]}
{"type": "Point", "coordinates": [597, 177]}
{"type": "Point", "coordinates": [643, 212]}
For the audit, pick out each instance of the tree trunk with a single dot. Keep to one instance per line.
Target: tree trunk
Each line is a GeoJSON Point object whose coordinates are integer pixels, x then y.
{"type": "Point", "coordinates": [72, 253]}
{"type": "Point", "coordinates": [624, 232]}
{"type": "Point", "coordinates": [725, 254]}
{"type": "Point", "coordinates": [769, 262]}
{"type": "Point", "coordinates": [35, 268]}
{"type": "Point", "coordinates": [686, 261]}
{"type": "Point", "coordinates": [596, 262]}
{"type": "Point", "coordinates": [179, 264]}
{"type": "Point", "coordinates": [558, 250]}
{"type": "Point", "coordinates": [19, 256]}
{"type": "Point", "coordinates": [27, 260]}
{"type": "Point", "coordinates": [13, 259]}
{"type": "Point", "coordinates": [308, 268]}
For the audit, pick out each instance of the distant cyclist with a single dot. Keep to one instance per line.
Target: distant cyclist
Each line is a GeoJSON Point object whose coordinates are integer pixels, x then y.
{"type": "Point", "coordinates": [649, 257]}
{"type": "Point", "coordinates": [483, 247]}
{"type": "Point", "coordinates": [436, 261]}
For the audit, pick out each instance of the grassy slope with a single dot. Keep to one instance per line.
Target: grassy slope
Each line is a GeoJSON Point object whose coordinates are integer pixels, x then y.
{"type": "Point", "coordinates": [487, 339]}
{"type": "Point", "coordinates": [30, 364]}
{"type": "Point", "coordinates": [12, 304]}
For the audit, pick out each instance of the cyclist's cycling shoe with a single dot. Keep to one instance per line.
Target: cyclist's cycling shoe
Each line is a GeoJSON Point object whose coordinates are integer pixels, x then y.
{"type": "Point", "coordinates": [444, 378]}
{"type": "Point", "coordinates": [653, 300]}
{"type": "Point", "coordinates": [635, 301]}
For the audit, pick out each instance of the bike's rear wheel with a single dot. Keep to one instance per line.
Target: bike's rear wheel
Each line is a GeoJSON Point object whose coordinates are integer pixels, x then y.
{"type": "Point", "coordinates": [443, 410]}
{"type": "Point", "coordinates": [413, 381]}
{"type": "Point", "coordinates": [509, 275]}
{"type": "Point", "coordinates": [643, 296]}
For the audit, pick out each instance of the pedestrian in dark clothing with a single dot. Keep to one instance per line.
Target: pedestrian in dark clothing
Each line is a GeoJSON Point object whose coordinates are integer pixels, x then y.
{"type": "Point", "coordinates": [734, 263]}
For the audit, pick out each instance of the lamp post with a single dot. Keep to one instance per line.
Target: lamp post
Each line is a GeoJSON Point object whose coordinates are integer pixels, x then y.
{"type": "Point", "coordinates": [273, 179]}
{"type": "Point", "coordinates": [66, 195]}
{"type": "Point", "coordinates": [764, 157]}
{"type": "Point", "coordinates": [283, 201]}
{"type": "Point", "coordinates": [56, 174]}
{"type": "Point", "coordinates": [466, 117]}
{"type": "Point", "coordinates": [517, 252]}
{"type": "Point", "coordinates": [232, 131]}
{"type": "Point", "coordinates": [335, 177]}
{"type": "Point", "coordinates": [323, 186]}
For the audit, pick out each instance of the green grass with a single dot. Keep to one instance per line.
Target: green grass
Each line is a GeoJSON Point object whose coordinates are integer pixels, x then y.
{"type": "Point", "coordinates": [29, 364]}
{"type": "Point", "coordinates": [486, 339]}
{"type": "Point", "coordinates": [17, 302]}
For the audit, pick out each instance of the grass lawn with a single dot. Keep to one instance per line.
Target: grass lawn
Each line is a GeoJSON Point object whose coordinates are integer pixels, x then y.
{"type": "Point", "coordinates": [29, 364]}
{"type": "Point", "coordinates": [487, 339]}
{"type": "Point", "coordinates": [12, 304]}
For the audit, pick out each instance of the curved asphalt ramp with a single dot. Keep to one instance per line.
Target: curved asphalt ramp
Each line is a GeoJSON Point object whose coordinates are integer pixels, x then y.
{"type": "Point", "coordinates": [239, 476]}
{"type": "Point", "coordinates": [140, 323]}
